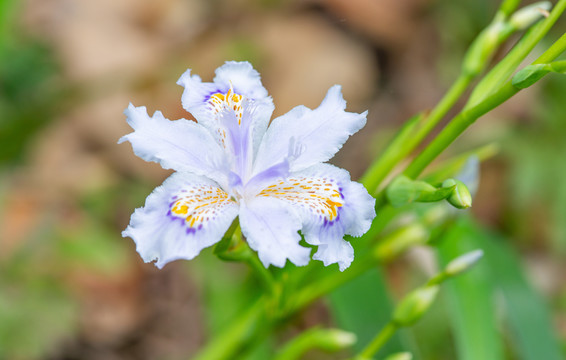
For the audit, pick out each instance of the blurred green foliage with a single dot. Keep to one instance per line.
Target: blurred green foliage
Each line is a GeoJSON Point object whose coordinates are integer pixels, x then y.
{"type": "Point", "coordinates": [30, 93]}
{"type": "Point", "coordinates": [536, 150]}
{"type": "Point", "coordinates": [37, 310]}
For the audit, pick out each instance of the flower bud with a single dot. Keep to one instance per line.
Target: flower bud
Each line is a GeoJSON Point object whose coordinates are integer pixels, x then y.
{"type": "Point", "coordinates": [484, 46]}
{"type": "Point", "coordinates": [400, 356]}
{"type": "Point", "coordinates": [460, 197]}
{"type": "Point", "coordinates": [530, 14]}
{"type": "Point", "coordinates": [414, 305]}
{"type": "Point", "coordinates": [333, 340]}
{"type": "Point", "coordinates": [463, 262]}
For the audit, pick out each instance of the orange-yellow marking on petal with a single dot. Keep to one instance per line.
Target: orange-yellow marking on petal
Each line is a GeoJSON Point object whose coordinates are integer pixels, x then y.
{"type": "Point", "coordinates": [321, 196]}
{"type": "Point", "coordinates": [230, 100]}
{"type": "Point", "coordinates": [199, 204]}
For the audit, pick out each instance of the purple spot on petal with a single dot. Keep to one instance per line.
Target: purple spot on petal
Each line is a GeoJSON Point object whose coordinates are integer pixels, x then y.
{"type": "Point", "coordinates": [199, 227]}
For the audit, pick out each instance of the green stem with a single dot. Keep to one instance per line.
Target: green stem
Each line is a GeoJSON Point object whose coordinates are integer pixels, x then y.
{"type": "Point", "coordinates": [377, 343]}
{"type": "Point", "coordinates": [263, 274]}
{"type": "Point", "coordinates": [503, 70]}
{"type": "Point", "coordinates": [558, 66]}
{"type": "Point", "coordinates": [467, 117]}
{"type": "Point", "coordinates": [328, 340]}
{"type": "Point", "coordinates": [553, 51]}
{"type": "Point", "coordinates": [412, 134]}
{"type": "Point", "coordinates": [243, 329]}
{"type": "Point", "coordinates": [456, 127]}
{"type": "Point", "coordinates": [325, 285]}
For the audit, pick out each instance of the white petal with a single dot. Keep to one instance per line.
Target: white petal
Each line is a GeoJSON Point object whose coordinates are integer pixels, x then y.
{"type": "Point", "coordinates": [272, 231]}
{"type": "Point", "coordinates": [242, 76]}
{"type": "Point", "coordinates": [321, 132]}
{"type": "Point", "coordinates": [180, 218]}
{"type": "Point", "coordinates": [195, 97]}
{"type": "Point", "coordinates": [330, 206]}
{"type": "Point", "coordinates": [181, 145]}
{"type": "Point", "coordinates": [237, 77]}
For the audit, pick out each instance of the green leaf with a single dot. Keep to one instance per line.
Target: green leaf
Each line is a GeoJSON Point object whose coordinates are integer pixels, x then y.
{"type": "Point", "coordinates": [363, 307]}
{"type": "Point", "coordinates": [470, 299]}
{"type": "Point", "coordinates": [527, 314]}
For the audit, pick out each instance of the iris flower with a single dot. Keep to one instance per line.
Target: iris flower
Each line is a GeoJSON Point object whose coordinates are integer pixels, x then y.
{"type": "Point", "coordinates": [230, 163]}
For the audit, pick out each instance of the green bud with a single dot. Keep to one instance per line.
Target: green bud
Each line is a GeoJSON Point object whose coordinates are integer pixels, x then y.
{"type": "Point", "coordinates": [400, 356]}
{"type": "Point", "coordinates": [329, 340]}
{"type": "Point", "coordinates": [530, 14]}
{"type": "Point", "coordinates": [333, 340]}
{"type": "Point", "coordinates": [484, 46]}
{"type": "Point", "coordinates": [414, 305]}
{"type": "Point", "coordinates": [460, 197]}
{"type": "Point", "coordinates": [463, 262]}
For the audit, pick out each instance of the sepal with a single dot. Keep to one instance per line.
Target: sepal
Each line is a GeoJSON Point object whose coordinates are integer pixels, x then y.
{"type": "Point", "coordinates": [403, 191]}
{"type": "Point", "coordinates": [232, 247]}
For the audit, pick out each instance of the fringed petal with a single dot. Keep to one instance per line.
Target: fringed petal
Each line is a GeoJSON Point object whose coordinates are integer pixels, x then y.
{"type": "Point", "coordinates": [272, 231]}
{"type": "Point", "coordinates": [180, 218]}
{"type": "Point", "coordinates": [180, 145]}
{"type": "Point", "coordinates": [235, 86]}
{"type": "Point", "coordinates": [320, 133]}
{"type": "Point", "coordinates": [330, 206]}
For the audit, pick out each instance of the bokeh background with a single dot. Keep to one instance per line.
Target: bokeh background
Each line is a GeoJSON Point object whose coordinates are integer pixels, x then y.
{"type": "Point", "coordinates": [72, 288]}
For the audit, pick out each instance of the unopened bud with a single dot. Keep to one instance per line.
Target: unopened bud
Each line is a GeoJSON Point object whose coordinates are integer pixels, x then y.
{"type": "Point", "coordinates": [530, 14]}
{"type": "Point", "coordinates": [463, 262]}
{"type": "Point", "coordinates": [333, 340]}
{"type": "Point", "coordinates": [484, 46]}
{"type": "Point", "coordinates": [460, 197]}
{"type": "Point", "coordinates": [400, 356]}
{"type": "Point", "coordinates": [414, 305]}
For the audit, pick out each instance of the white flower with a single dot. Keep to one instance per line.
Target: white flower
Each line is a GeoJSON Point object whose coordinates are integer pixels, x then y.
{"type": "Point", "coordinates": [232, 164]}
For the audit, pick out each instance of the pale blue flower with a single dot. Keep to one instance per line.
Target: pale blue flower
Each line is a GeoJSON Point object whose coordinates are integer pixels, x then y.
{"type": "Point", "coordinates": [230, 163]}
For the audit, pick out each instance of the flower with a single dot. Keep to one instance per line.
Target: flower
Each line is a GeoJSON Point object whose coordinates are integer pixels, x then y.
{"type": "Point", "coordinates": [230, 163]}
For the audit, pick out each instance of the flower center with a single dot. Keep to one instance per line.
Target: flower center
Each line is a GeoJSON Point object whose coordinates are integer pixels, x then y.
{"type": "Point", "coordinates": [220, 101]}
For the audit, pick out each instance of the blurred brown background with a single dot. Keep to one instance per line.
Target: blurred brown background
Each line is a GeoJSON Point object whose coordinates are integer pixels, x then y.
{"type": "Point", "coordinates": [72, 288]}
